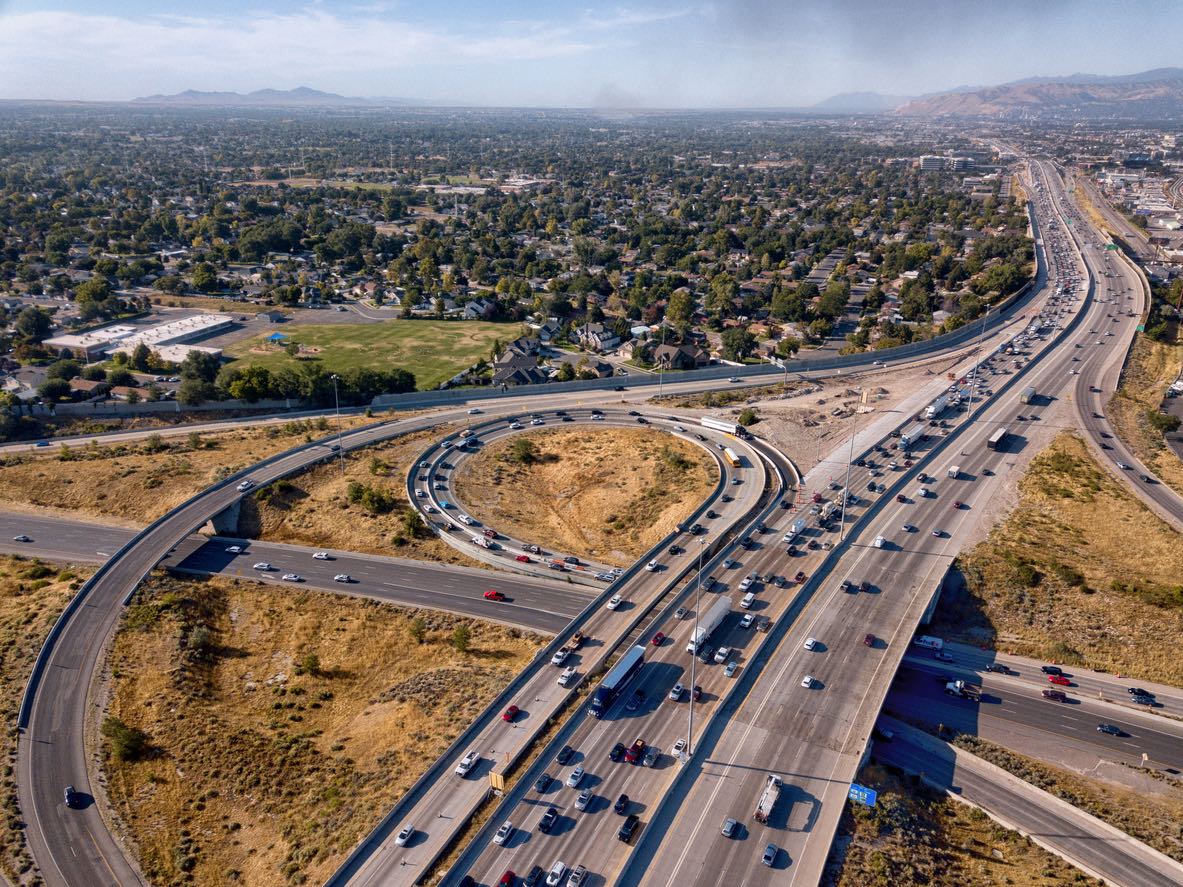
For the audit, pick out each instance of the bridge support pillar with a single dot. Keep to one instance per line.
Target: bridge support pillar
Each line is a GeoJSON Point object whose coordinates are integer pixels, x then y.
{"type": "Point", "coordinates": [953, 581]}
{"type": "Point", "coordinates": [224, 523]}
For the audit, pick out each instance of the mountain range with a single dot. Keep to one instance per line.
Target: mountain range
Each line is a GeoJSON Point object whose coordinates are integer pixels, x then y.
{"type": "Point", "coordinates": [300, 97]}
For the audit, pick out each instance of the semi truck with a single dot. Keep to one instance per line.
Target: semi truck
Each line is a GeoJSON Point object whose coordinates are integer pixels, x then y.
{"type": "Point", "coordinates": [722, 425]}
{"type": "Point", "coordinates": [827, 510]}
{"type": "Point", "coordinates": [928, 642]}
{"type": "Point", "coordinates": [912, 436]}
{"type": "Point", "coordinates": [708, 623]}
{"type": "Point", "coordinates": [996, 439]}
{"type": "Point", "coordinates": [937, 407]}
{"type": "Point", "coordinates": [962, 690]}
{"type": "Point", "coordinates": [768, 799]}
{"type": "Point", "coordinates": [954, 471]}
{"type": "Point", "coordinates": [622, 672]}
{"type": "Point", "coordinates": [795, 529]}
{"type": "Point", "coordinates": [1028, 396]}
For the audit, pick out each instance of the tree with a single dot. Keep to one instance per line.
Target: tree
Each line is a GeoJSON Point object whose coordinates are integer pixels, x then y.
{"type": "Point", "coordinates": [94, 373]}
{"type": "Point", "coordinates": [93, 297]}
{"type": "Point", "coordinates": [205, 278]}
{"type": "Point", "coordinates": [748, 417]}
{"type": "Point", "coordinates": [460, 638]}
{"type": "Point", "coordinates": [33, 325]}
{"type": "Point", "coordinates": [64, 369]}
{"type": "Point", "coordinates": [140, 356]}
{"type": "Point", "coordinates": [121, 377]}
{"type": "Point", "coordinates": [192, 392]}
{"type": "Point", "coordinates": [788, 347]}
{"type": "Point", "coordinates": [418, 629]}
{"type": "Point", "coordinates": [53, 390]}
{"type": "Point", "coordinates": [566, 373]}
{"type": "Point", "coordinates": [737, 343]}
{"type": "Point", "coordinates": [680, 310]}
{"type": "Point", "coordinates": [199, 365]}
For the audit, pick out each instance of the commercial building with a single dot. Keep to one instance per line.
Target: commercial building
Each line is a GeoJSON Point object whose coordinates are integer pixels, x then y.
{"type": "Point", "coordinates": [166, 340]}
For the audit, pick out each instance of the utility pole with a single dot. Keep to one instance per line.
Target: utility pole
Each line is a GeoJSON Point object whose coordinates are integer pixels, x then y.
{"type": "Point", "coordinates": [702, 544]}
{"type": "Point", "coordinates": [337, 409]}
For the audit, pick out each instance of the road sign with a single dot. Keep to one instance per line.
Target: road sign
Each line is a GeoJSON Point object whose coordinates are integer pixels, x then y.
{"type": "Point", "coordinates": [860, 794]}
{"type": "Point", "coordinates": [497, 782]}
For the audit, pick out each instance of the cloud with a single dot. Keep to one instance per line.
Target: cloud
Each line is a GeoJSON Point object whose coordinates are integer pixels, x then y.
{"type": "Point", "coordinates": [620, 17]}
{"type": "Point", "coordinates": [55, 54]}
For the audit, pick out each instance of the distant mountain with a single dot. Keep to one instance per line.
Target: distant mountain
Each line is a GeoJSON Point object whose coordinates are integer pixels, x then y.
{"type": "Point", "coordinates": [861, 102]}
{"type": "Point", "coordinates": [300, 97]}
{"type": "Point", "coordinates": [1156, 94]}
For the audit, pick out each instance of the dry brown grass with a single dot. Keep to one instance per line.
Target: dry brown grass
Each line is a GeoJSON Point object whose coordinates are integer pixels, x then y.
{"type": "Point", "coordinates": [313, 508]}
{"type": "Point", "coordinates": [1079, 572]}
{"type": "Point", "coordinates": [32, 595]}
{"type": "Point", "coordinates": [1155, 818]}
{"type": "Point", "coordinates": [917, 836]}
{"type": "Point", "coordinates": [264, 771]}
{"type": "Point", "coordinates": [608, 494]}
{"type": "Point", "coordinates": [139, 481]}
{"type": "Point", "coordinates": [1151, 368]}
{"type": "Point", "coordinates": [208, 303]}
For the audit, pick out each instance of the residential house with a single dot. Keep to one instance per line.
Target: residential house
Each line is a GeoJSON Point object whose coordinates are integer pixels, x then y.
{"type": "Point", "coordinates": [680, 357]}
{"type": "Point", "coordinates": [480, 309]}
{"type": "Point", "coordinates": [597, 337]}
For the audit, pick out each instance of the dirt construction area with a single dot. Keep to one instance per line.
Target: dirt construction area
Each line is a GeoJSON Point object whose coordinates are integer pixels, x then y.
{"type": "Point", "coordinates": [255, 734]}
{"type": "Point", "coordinates": [606, 494]}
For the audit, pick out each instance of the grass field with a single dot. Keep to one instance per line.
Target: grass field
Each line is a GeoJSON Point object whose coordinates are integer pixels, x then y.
{"type": "Point", "coordinates": [281, 723]}
{"type": "Point", "coordinates": [608, 494]}
{"type": "Point", "coordinates": [1151, 368]}
{"type": "Point", "coordinates": [32, 595]}
{"type": "Point", "coordinates": [434, 350]}
{"type": "Point", "coordinates": [1080, 572]}
{"type": "Point", "coordinates": [916, 836]}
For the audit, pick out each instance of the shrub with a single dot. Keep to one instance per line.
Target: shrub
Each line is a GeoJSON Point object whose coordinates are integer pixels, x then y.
{"type": "Point", "coordinates": [418, 629]}
{"type": "Point", "coordinates": [1028, 575]}
{"type": "Point", "coordinates": [309, 664]}
{"type": "Point", "coordinates": [460, 638]}
{"type": "Point", "coordinates": [127, 743]}
{"type": "Point", "coordinates": [748, 417]}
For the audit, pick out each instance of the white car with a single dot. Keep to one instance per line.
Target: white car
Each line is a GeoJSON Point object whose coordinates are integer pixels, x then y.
{"type": "Point", "coordinates": [262, 565]}
{"type": "Point", "coordinates": [248, 484]}
{"type": "Point", "coordinates": [232, 549]}
{"type": "Point", "coordinates": [575, 778]}
{"type": "Point", "coordinates": [567, 676]}
{"type": "Point", "coordinates": [807, 681]}
{"type": "Point", "coordinates": [745, 583]}
{"type": "Point", "coordinates": [474, 411]}
{"type": "Point", "coordinates": [747, 620]}
{"type": "Point", "coordinates": [405, 835]}
{"type": "Point", "coordinates": [504, 833]}
{"type": "Point", "coordinates": [583, 800]}
{"type": "Point", "coordinates": [731, 669]}
{"type": "Point", "coordinates": [321, 556]}
{"type": "Point", "coordinates": [343, 577]}
{"type": "Point", "coordinates": [616, 601]}
{"type": "Point", "coordinates": [560, 656]}
{"type": "Point", "coordinates": [420, 494]}
{"type": "Point", "coordinates": [810, 643]}
{"type": "Point", "coordinates": [292, 577]}
{"type": "Point", "coordinates": [879, 542]}
{"type": "Point", "coordinates": [680, 613]}
{"type": "Point", "coordinates": [652, 566]}
{"type": "Point", "coordinates": [429, 509]}
{"type": "Point", "coordinates": [722, 655]}
{"type": "Point", "coordinates": [465, 519]}
{"type": "Point", "coordinates": [537, 422]}
{"type": "Point", "coordinates": [605, 577]}
{"type": "Point", "coordinates": [597, 418]}
{"type": "Point", "coordinates": [678, 747]}
{"type": "Point", "coordinates": [676, 692]}
{"type": "Point", "coordinates": [467, 763]}
{"type": "Point", "coordinates": [516, 426]}
{"type": "Point", "coordinates": [789, 537]}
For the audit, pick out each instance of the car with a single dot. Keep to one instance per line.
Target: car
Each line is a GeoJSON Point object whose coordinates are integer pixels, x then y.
{"type": "Point", "coordinates": [1138, 691]}
{"type": "Point", "coordinates": [1050, 669]}
{"type": "Point", "coordinates": [676, 549]}
{"type": "Point", "coordinates": [658, 639]}
{"type": "Point", "coordinates": [901, 498]}
{"type": "Point", "coordinates": [635, 751]}
{"type": "Point", "coordinates": [998, 668]}
{"type": "Point", "coordinates": [731, 669]}
{"type": "Point", "coordinates": [493, 595]}
{"type": "Point", "coordinates": [1059, 679]}
{"type": "Point", "coordinates": [292, 577]}
{"type": "Point", "coordinates": [722, 655]}
{"type": "Point", "coordinates": [869, 640]}
{"type": "Point", "coordinates": [560, 656]}
{"type": "Point", "coordinates": [621, 804]}
{"type": "Point", "coordinates": [1056, 695]}
{"type": "Point", "coordinates": [566, 753]}
{"type": "Point", "coordinates": [72, 797]}
{"type": "Point", "coordinates": [510, 714]}
{"type": "Point", "coordinates": [263, 566]}
{"type": "Point", "coordinates": [770, 854]}
{"type": "Point", "coordinates": [810, 643]}
{"type": "Point", "coordinates": [958, 504]}
{"type": "Point", "coordinates": [523, 559]}
{"type": "Point", "coordinates": [584, 799]}
{"type": "Point", "coordinates": [617, 752]}
{"type": "Point", "coordinates": [706, 652]}
{"type": "Point", "coordinates": [908, 528]}
{"type": "Point", "coordinates": [675, 693]}
{"type": "Point", "coordinates": [678, 747]}
{"type": "Point", "coordinates": [504, 833]}
{"type": "Point", "coordinates": [733, 379]}
{"type": "Point", "coordinates": [321, 556]}
{"type": "Point", "coordinates": [615, 602]}
{"type": "Point", "coordinates": [696, 693]}
{"type": "Point", "coordinates": [1147, 479]}
{"type": "Point", "coordinates": [232, 549]}
{"type": "Point", "coordinates": [807, 682]}
{"type": "Point", "coordinates": [555, 876]}
{"type": "Point", "coordinates": [652, 753]}
{"type": "Point", "coordinates": [879, 542]}
{"type": "Point", "coordinates": [747, 620]}
{"type": "Point", "coordinates": [516, 426]}
{"type": "Point", "coordinates": [1111, 729]}
{"type": "Point", "coordinates": [938, 533]}
{"type": "Point", "coordinates": [404, 836]}
{"type": "Point", "coordinates": [575, 778]}
{"type": "Point", "coordinates": [466, 764]}
{"type": "Point", "coordinates": [628, 828]}
{"type": "Point", "coordinates": [245, 485]}
{"type": "Point", "coordinates": [725, 498]}
{"type": "Point", "coordinates": [537, 422]}
{"type": "Point", "coordinates": [800, 577]}
{"type": "Point", "coordinates": [343, 577]}
{"type": "Point", "coordinates": [652, 566]}
{"type": "Point", "coordinates": [942, 656]}
{"type": "Point", "coordinates": [745, 583]}
{"type": "Point", "coordinates": [1143, 700]}
{"type": "Point", "coordinates": [566, 676]}
{"type": "Point", "coordinates": [636, 700]}
{"type": "Point", "coordinates": [730, 828]}
{"type": "Point", "coordinates": [680, 613]}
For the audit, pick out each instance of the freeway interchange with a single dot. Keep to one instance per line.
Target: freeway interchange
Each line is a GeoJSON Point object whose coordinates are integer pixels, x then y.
{"type": "Point", "coordinates": [798, 700]}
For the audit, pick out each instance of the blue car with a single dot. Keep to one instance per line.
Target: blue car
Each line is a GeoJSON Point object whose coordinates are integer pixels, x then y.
{"type": "Point", "coordinates": [445, 505]}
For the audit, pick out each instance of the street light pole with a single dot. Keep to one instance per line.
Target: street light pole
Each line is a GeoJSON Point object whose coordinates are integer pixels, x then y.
{"type": "Point", "coordinates": [977, 355]}
{"type": "Point", "coordinates": [846, 493]}
{"type": "Point", "coordinates": [702, 544]}
{"type": "Point", "coordinates": [337, 410]}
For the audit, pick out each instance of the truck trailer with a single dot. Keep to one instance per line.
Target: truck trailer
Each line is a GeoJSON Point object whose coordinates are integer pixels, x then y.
{"type": "Point", "coordinates": [722, 425]}
{"type": "Point", "coordinates": [708, 623]}
{"type": "Point", "coordinates": [622, 672]}
{"type": "Point", "coordinates": [1028, 396]}
{"type": "Point", "coordinates": [912, 436]}
{"type": "Point", "coordinates": [928, 642]}
{"type": "Point", "coordinates": [934, 409]}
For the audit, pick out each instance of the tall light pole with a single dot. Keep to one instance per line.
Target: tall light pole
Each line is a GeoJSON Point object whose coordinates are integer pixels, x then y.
{"type": "Point", "coordinates": [337, 410]}
{"type": "Point", "coordinates": [846, 492]}
{"type": "Point", "coordinates": [977, 354]}
{"type": "Point", "coordinates": [660, 365]}
{"type": "Point", "coordinates": [702, 545]}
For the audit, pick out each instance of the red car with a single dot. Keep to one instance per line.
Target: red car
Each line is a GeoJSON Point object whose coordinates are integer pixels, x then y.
{"type": "Point", "coordinates": [869, 640]}
{"type": "Point", "coordinates": [658, 639]}
{"type": "Point", "coordinates": [907, 463]}
{"type": "Point", "coordinates": [800, 577]}
{"type": "Point", "coordinates": [523, 558]}
{"type": "Point", "coordinates": [494, 595]}
{"type": "Point", "coordinates": [817, 497]}
{"type": "Point", "coordinates": [508, 879]}
{"type": "Point", "coordinates": [1059, 679]}
{"type": "Point", "coordinates": [958, 504]}
{"type": "Point", "coordinates": [901, 498]}
{"type": "Point", "coordinates": [510, 714]}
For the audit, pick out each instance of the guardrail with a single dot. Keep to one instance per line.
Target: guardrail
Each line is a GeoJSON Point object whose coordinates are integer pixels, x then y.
{"type": "Point", "coordinates": [402, 808]}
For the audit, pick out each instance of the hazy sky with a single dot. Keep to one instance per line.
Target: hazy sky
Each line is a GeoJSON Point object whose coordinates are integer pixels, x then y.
{"type": "Point", "coordinates": [657, 53]}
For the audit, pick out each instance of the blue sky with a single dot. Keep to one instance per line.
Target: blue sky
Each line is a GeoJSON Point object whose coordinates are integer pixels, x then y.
{"type": "Point", "coordinates": [651, 53]}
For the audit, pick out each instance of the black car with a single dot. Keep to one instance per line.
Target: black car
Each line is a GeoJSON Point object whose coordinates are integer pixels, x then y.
{"type": "Point", "coordinates": [998, 667]}
{"type": "Point", "coordinates": [566, 753]}
{"type": "Point", "coordinates": [72, 799]}
{"type": "Point", "coordinates": [1051, 669]}
{"type": "Point", "coordinates": [619, 388]}
{"type": "Point", "coordinates": [547, 822]}
{"type": "Point", "coordinates": [628, 828]}
{"type": "Point", "coordinates": [1138, 691]}
{"type": "Point", "coordinates": [636, 700]}
{"type": "Point", "coordinates": [617, 752]}
{"type": "Point", "coordinates": [641, 420]}
{"type": "Point", "coordinates": [535, 877]}
{"type": "Point", "coordinates": [542, 783]}
{"type": "Point", "coordinates": [633, 413]}
{"type": "Point", "coordinates": [621, 804]}
{"type": "Point", "coordinates": [711, 513]}
{"type": "Point", "coordinates": [560, 412]}
{"type": "Point", "coordinates": [725, 498]}
{"type": "Point", "coordinates": [1111, 729]}
{"type": "Point", "coordinates": [568, 419]}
